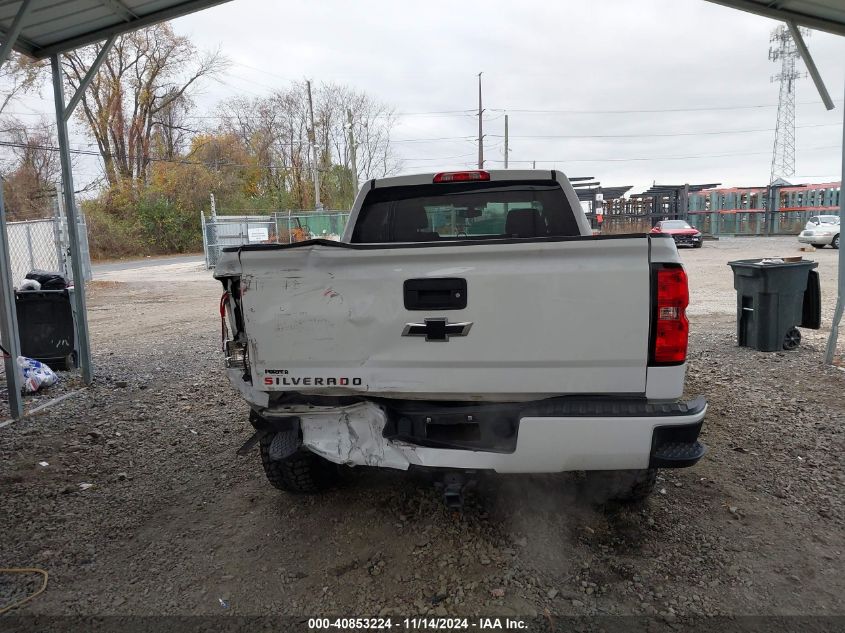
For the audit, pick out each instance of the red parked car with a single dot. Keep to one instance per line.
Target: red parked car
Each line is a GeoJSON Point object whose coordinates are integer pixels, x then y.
{"type": "Point", "coordinates": [681, 232]}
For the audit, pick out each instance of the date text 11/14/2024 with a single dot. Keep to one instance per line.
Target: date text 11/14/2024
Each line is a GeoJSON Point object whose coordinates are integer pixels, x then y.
{"type": "Point", "coordinates": [417, 624]}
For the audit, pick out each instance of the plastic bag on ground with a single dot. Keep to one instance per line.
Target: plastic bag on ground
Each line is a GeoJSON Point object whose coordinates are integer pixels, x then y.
{"type": "Point", "coordinates": [30, 284]}
{"type": "Point", "coordinates": [36, 375]}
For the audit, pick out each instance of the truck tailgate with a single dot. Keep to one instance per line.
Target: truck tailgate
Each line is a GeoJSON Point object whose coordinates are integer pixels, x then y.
{"type": "Point", "coordinates": [541, 318]}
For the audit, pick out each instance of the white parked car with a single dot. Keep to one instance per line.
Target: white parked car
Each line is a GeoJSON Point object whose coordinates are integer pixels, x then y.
{"type": "Point", "coordinates": [821, 231]}
{"type": "Point", "coordinates": [466, 321]}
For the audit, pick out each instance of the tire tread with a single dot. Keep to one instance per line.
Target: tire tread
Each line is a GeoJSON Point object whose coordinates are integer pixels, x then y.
{"type": "Point", "coordinates": [301, 473]}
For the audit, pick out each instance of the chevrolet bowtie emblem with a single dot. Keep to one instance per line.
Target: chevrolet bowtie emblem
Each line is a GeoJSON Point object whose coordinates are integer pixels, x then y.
{"type": "Point", "coordinates": [437, 329]}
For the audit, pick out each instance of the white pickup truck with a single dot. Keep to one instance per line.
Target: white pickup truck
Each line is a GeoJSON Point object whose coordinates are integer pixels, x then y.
{"type": "Point", "coordinates": [466, 321]}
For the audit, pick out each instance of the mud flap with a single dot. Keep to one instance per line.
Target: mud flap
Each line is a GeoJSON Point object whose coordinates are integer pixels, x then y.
{"type": "Point", "coordinates": [250, 443]}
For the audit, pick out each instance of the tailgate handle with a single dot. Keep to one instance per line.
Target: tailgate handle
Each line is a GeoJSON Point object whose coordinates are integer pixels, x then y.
{"type": "Point", "coordinates": [444, 293]}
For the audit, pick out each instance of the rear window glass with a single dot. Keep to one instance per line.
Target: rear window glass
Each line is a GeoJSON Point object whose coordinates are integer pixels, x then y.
{"type": "Point", "coordinates": [465, 211]}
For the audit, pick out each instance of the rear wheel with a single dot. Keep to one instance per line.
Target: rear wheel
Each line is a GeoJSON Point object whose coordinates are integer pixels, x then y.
{"type": "Point", "coordinates": [835, 242]}
{"type": "Point", "coordinates": [303, 472]}
{"type": "Point", "coordinates": [625, 486]}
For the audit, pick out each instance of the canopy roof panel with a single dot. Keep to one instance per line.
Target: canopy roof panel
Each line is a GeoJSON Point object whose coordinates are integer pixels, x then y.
{"type": "Point", "coordinates": [59, 25]}
{"type": "Point", "coordinates": [54, 26]}
{"type": "Point", "coordinates": [822, 15]}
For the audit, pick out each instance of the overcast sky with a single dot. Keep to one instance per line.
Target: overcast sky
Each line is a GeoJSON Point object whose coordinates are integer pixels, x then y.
{"type": "Point", "coordinates": [585, 57]}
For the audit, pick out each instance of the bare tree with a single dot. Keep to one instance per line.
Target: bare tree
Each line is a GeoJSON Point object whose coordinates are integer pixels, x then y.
{"type": "Point", "coordinates": [32, 171]}
{"type": "Point", "coordinates": [18, 76]}
{"type": "Point", "coordinates": [146, 78]}
{"type": "Point", "coordinates": [259, 126]}
{"type": "Point", "coordinates": [372, 123]}
{"type": "Point", "coordinates": [275, 128]}
{"type": "Point", "coordinates": [171, 130]}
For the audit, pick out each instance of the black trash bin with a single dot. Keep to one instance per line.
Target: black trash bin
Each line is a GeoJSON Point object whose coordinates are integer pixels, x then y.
{"type": "Point", "coordinates": [45, 323]}
{"type": "Point", "coordinates": [773, 298]}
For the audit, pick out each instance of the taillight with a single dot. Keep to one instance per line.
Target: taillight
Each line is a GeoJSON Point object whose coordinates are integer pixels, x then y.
{"type": "Point", "coordinates": [461, 176]}
{"type": "Point", "coordinates": [671, 327]}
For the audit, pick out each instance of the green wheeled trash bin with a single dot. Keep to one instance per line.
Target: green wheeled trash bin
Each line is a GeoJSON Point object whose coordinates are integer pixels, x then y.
{"type": "Point", "coordinates": [773, 298]}
{"type": "Point", "coordinates": [46, 327]}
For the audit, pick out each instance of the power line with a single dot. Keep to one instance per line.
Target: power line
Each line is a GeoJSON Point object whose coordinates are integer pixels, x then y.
{"type": "Point", "coordinates": [237, 89]}
{"type": "Point", "coordinates": [433, 113]}
{"type": "Point", "coordinates": [568, 136]}
{"type": "Point", "coordinates": [284, 144]}
{"type": "Point", "coordinates": [433, 140]}
{"type": "Point", "coordinates": [82, 152]}
{"type": "Point", "coordinates": [428, 159]}
{"type": "Point", "coordinates": [651, 158]}
{"type": "Point", "coordinates": [650, 111]}
{"type": "Point", "coordinates": [658, 134]}
{"type": "Point", "coordinates": [266, 72]}
{"type": "Point", "coordinates": [473, 113]}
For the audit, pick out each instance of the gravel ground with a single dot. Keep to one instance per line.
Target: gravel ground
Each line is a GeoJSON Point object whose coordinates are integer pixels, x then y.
{"type": "Point", "coordinates": [175, 523]}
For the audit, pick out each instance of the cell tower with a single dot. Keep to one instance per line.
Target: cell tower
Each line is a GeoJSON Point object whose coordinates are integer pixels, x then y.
{"type": "Point", "coordinates": [782, 49]}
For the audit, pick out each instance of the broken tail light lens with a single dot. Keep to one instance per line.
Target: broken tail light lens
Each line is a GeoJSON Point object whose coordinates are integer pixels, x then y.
{"type": "Point", "coordinates": [461, 176]}
{"type": "Point", "coordinates": [235, 355]}
{"type": "Point", "coordinates": [671, 327]}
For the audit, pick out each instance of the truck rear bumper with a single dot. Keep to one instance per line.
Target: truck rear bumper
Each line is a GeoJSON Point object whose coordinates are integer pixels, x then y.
{"type": "Point", "coordinates": [662, 435]}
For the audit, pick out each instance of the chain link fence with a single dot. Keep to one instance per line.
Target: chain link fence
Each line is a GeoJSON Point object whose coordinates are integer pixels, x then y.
{"type": "Point", "coordinates": [44, 244]}
{"type": "Point", "coordinates": [281, 227]}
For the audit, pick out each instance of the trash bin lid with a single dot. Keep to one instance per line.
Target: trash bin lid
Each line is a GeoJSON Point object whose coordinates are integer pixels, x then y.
{"type": "Point", "coordinates": [764, 263]}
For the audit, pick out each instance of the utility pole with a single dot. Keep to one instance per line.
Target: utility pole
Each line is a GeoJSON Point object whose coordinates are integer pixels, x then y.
{"type": "Point", "coordinates": [480, 127]}
{"type": "Point", "coordinates": [352, 152]}
{"type": "Point", "coordinates": [506, 141]}
{"type": "Point", "coordinates": [312, 139]}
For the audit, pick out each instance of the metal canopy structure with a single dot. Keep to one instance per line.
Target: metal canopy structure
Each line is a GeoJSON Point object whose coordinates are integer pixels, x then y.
{"type": "Point", "coordinates": [56, 26]}
{"type": "Point", "coordinates": [48, 28]}
{"type": "Point", "coordinates": [822, 15]}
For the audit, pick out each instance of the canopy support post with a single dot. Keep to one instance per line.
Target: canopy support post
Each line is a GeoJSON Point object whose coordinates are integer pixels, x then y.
{"type": "Point", "coordinates": [8, 310]}
{"type": "Point", "coordinates": [80, 309]}
{"type": "Point", "coordinates": [9, 319]}
{"type": "Point", "coordinates": [840, 284]}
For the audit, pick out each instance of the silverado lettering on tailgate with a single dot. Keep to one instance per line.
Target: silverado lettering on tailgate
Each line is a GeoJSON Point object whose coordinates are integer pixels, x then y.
{"type": "Point", "coordinates": [280, 377]}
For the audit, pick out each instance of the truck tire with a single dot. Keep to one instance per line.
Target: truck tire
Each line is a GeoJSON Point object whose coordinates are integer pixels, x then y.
{"type": "Point", "coordinates": [624, 486]}
{"type": "Point", "coordinates": [301, 473]}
